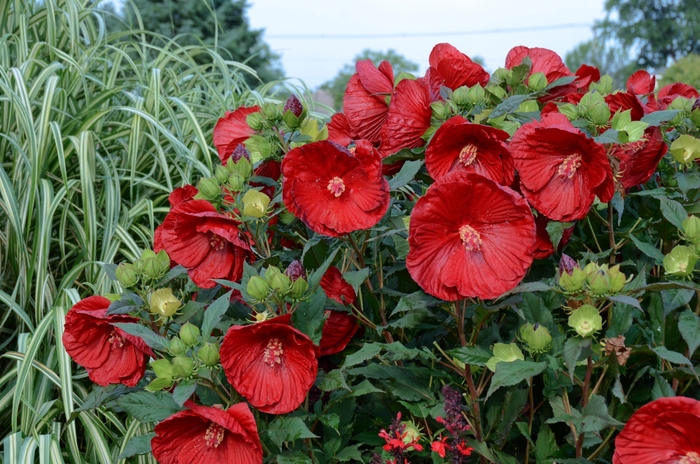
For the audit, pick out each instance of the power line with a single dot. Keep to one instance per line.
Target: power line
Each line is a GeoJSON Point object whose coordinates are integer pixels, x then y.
{"type": "Point", "coordinates": [427, 34]}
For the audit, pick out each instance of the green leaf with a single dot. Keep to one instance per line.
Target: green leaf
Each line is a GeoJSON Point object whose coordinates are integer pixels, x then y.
{"type": "Point", "coordinates": [514, 372]}
{"type": "Point", "coordinates": [609, 136]}
{"type": "Point", "coordinates": [365, 388]}
{"type": "Point", "coordinates": [127, 303]}
{"type": "Point", "coordinates": [149, 407]}
{"type": "Point", "coordinates": [405, 175]}
{"type": "Point", "coordinates": [183, 391]}
{"type": "Point", "coordinates": [689, 327]}
{"type": "Point", "coordinates": [416, 300]}
{"type": "Point", "coordinates": [287, 429]}
{"type": "Point", "coordinates": [213, 314]}
{"type": "Point", "coordinates": [674, 212]}
{"type": "Point", "coordinates": [528, 288]}
{"type": "Point", "coordinates": [572, 351]}
{"type": "Point", "coordinates": [151, 338]}
{"type": "Point", "coordinates": [310, 316]}
{"type": "Point", "coordinates": [368, 351]}
{"type": "Point", "coordinates": [294, 457]}
{"type": "Point", "coordinates": [671, 356]}
{"type": "Point", "coordinates": [356, 278]}
{"type": "Point", "coordinates": [658, 117]}
{"type": "Point", "coordinates": [509, 105]}
{"type": "Point", "coordinates": [317, 275]}
{"type": "Point", "coordinates": [555, 230]}
{"type": "Point", "coordinates": [140, 444]}
{"type": "Point", "coordinates": [595, 417]}
{"type": "Point", "coordinates": [349, 453]}
{"type": "Point", "coordinates": [661, 388]}
{"type": "Point", "coordinates": [649, 250]}
{"type": "Point", "coordinates": [628, 300]}
{"type": "Point", "coordinates": [546, 444]}
{"type": "Point", "coordinates": [472, 355]}
{"type": "Point", "coordinates": [675, 298]}
{"type": "Point", "coordinates": [333, 380]}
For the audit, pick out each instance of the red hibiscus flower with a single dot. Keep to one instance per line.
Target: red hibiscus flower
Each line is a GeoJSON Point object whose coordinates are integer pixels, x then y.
{"type": "Point", "coordinates": [641, 83]}
{"type": "Point", "coordinates": [203, 435]}
{"type": "Point", "coordinates": [333, 190]}
{"type": "Point", "coordinates": [544, 247]}
{"type": "Point", "coordinates": [561, 170]}
{"type": "Point", "coordinates": [337, 288]}
{"type": "Point", "coordinates": [177, 196]}
{"type": "Point", "coordinates": [663, 431]}
{"type": "Point", "coordinates": [232, 130]}
{"type": "Point", "coordinates": [337, 332]}
{"type": "Point", "coordinates": [638, 160]}
{"type": "Point", "coordinates": [109, 354]}
{"type": "Point", "coordinates": [586, 75]}
{"type": "Point", "coordinates": [339, 130]}
{"type": "Point", "coordinates": [206, 242]}
{"type": "Point", "coordinates": [543, 61]}
{"type": "Point", "coordinates": [270, 363]}
{"type": "Point", "coordinates": [453, 69]}
{"type": "Point", "coordinates": [408, 118]}
{"type": "Point", "coordinates": [461, 145]}
{"type": "Point", "coordinates": [623, 101]}
{"type": "Point", "coordinates": [469, 237]}
{"type": "Point", "coordinates": [365, 101]}
{"type": "Point", "coordinates": [672, 91]}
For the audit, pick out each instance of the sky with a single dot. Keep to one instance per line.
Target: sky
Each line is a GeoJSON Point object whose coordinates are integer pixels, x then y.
{"type": "Point", "coordinates": [315, 38]}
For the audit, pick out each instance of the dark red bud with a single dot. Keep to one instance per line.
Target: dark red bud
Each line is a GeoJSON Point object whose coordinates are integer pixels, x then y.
{"type": "Point", "coordinates": [567, 263]}
{"type": "Point", "coordinates": [295, 270]}
{"type": "Point", "coordinates": [294, 105]}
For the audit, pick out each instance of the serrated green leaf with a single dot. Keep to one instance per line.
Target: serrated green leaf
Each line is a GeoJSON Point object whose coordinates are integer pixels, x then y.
{"type": "Point", "coordinates": [649, 250]}
{"type": "Point", "coordinates": [674, 212]}
{"type": "Point", "coordinates": [405, 175]}
{"type": "Point", "coordinates": [514, 372]}
{"type": "Point", "coordinates": [140, 444]}
{"type": "Point", "coordinates": [287, 429]}
{"type": "Point", "coordinates": [509, 105]}
{"type": "Point", "coordinates": [472, 355]}
{"type": "Point", "coordinates": [671, 356]}
{"type": "Point", "coordinates": [149, 407]}
{"type": "Point", "coordinates": [152, 339]}
{"type": "Point", "coordinates": [213, 314]}
{"type": "Point", "coordinates": [689, 327]}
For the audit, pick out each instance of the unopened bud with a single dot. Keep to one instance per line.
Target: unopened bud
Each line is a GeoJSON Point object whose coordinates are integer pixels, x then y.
{"type": "Point", "coordinates": [236, 183]}
{"type": "Point", "coordinates": [255, 121]}
{"type": "Point", "coordinates": [281, 283]}
{"type": "Point", "coordinates": [299, 288]}
{"type": "Point", "coordinates": [183, 367]}
{"type": "Point", "coordinates": [209, 354]}
{"type": "Point", "coordinates": [189, 334]}
{"type": "Point", "coordinates": [294, 105]}
{"type": "Point", "coordinates": [152, 268]}
{"type": "Point", "coordinates": [691, 229]}
{"type": "Point", "coordinates": [162, 368]}
{"type": "Point", "coordinates": [598, 282]}
{"type": "Point", "coordinates": [476, 94]}
{"type": "Point", "coordinates": [586, 320]}
{"type": "Point", "coordinates": [440, 111]}
{"type": "Point", "coordinates": [209, 188]}
{"type": "Point", "coordinates": [138, 266]}
{"type": "Point", "coordinates": [599, 113]}
{"type": "Point", "coordinates": [537, 81]}
{"type": "Point", "coordinates": [258, 288]}
{"type": "Point", "coordinates": [163, 261]}
{"type": "Point", "coordinates": [177, 346]}
{"type": "Point", "coordinates": [126, 275]}
{"type": "Point", "coordinates": [243, 168]}
{"type": "Point", "coordinates": [537, 338]}
{"type": "Point", "coordinates": [272, 110]}
{"type": "Point", "coordinates": [295, 270]}
{"type": "Point", "coordinates": [221, 174]}
{"type": "Point", "coordinates": [573, 282]}
{"type": "Point", "coordinates": [461, 95]}
{"type": "Point", "coordinates": [680, 261]}
{"type": "Point", "coordinates": [617, 279]}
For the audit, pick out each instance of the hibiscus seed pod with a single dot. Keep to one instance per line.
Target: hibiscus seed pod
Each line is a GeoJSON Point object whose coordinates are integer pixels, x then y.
{"type": "Point", "coordinates": [221, 174]}
{"type": "Point", "coordinates": [164, 303]}
{"type": "Point", "coordinates": [599, 113]}
{"type": "Point", "coordinates": [598, 282]}
{"type": "Point", "coordinates": [537, 338]}
{"type": "Point", "coordinates": [162, 368]}
{"type": "Point", "coordinates": [255, 203]}
{"type": "Point", "coordinates": [138, 266]}
{"type": "Point", "coordinates": [691, 229]}
{"type": "Point", "coordinates": [567, 264]}
{"type": "Point", "coordinates": [281, 283]}
{"type": "Point", "coordinates": [258, 288]}
{"type": "Point", "coordinates": [255, 121]}
{"type": "Point", "coordinates": [126, 275]}
{"type": "Point", "coordinates": [236, 182]}
{"type": "Point", "coordinates": [189, 334]}
{"type": "Point", "coordinates": [299, 288]}
{"type": "Point", "coordinates": [440, 110]}
{"type": "Point", "coordinates": [209, 188]}
{"type": "Point", "coordinates": [209, 354]}
{"type": "Point", "coordinates": [461, 95]}
{"type": "Point", "coordinates": [586, 320]}
{"type": "Point", "coordinates": [147, 253]}
{"type": "Point", "coordinates": [177, 347]}
{"type": "Point", "coordinates": [152, 268]}
{"type": "Point", "coordinates": [569, 110]}
{"type": "Point", "coordinates": [272, 111]}
{"type": "Point", "coordinates": [163, 260]}
{"type": "Point", "coordinates": [476, 94]}
{"type": "Point", "coordinates": [680, 261]}
{"type": "Point", "coordinates": [617, 279]}
{"type": "Point", "coordinates": [243, 168]}
{"type": "Point", "coordinates": [572, 283]}
{"type": "Point", "coordinates": [537, 81]}
{"type": "Point", "coordinates": [270, 271]}
{"type": "Point", "coordinates": [183, 367]}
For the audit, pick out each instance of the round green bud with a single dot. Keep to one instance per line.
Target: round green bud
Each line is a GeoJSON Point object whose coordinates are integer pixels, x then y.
{"type": "Point", "coordinates": [236, 182]}
{"type": "Point", "coordinates": [189, 334]}
{"type": "Point", "coordinates": [164, 303]}
{"type": "Point", "coordinates": [209, 188]}
{"type": "Point", "coordinates": [572, 283]}
{"type": "Point", "coordinates": [685, 149]}
{"type": "Point", "coordinates": [460, 95]}
{"type": "Point", "coordinates": [255, 203]}
{"type": "Point", "coordinates": [476, 94]}
{"type": "Point", "coordinates": [162, 368]}
{"type": "Point", "coordinates": [138, 266]}
{"type": "Point", "coordinates": [147, 253]}
{"type": "Point", "coordinates": [221, 174]}
{"type": "Point", "coordinates": [183, 367]}
{"type": "Point", "coordinates": [586, 320]}
{"type": "Point", "coordinates": [691, 229]}
{"type": "Point", "coordinates": [255, 121]}
{"type": "Point", "coordinates": [599, 113]}
{"type": "Point", "coordinates": [299, 288]}
{"type": "Point", "coordinates": [536, 337]}
{"type": "Point", "coordinates": [126, 275]}
{"type": "Point", "coordinates": [243, 167]}
{"type": "Point", "coordinates": [680, 261]}
{"type": "Point", "coordinates": [599, 282]}
{"type": "Point", "coordinates": [177, 347]}
{"type": "Point", "coordinates": [537, 81]}
{"type": "Point", "coordinates": [440, 110]}
{"type": "Point", "coordinates": [272, 270]}
{"type": "Point", "coordinates": [280, 282]}
{"type": "Point", "coordinates": [209, 354]}
{"type": "Point", "coordinates": [569, 110]}
{"type": "Point", "coordinates": [152, 268]}
{"type": "Point", "coordinates": [163, 260]}
{"type": "Point", "coordinates": [617, 279]}
{"type": "Point", "coordinates": [258, 288]}
{"type": "Point", "coordinates": [272, 110]}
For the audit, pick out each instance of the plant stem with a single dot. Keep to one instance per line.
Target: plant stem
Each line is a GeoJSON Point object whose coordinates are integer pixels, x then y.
{"type": "Point", "coordinates": [529, 425]}
{"type": "Point", "coordinates": [611, 235]}
{"type": "Point", "coordinates": [584, 402]}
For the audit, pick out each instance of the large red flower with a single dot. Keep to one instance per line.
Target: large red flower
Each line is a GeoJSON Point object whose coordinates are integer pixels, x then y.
{"type": "Point", "coordinates": [543, 61]}
{"type": "Point", "coordinates": [561, 170]}
{"type": "Point", "coordinates": [204, 435]}
{"type": "Point", "coordinates": [232, 130]}
{"type": "Point", "coordinates": [670, 92]}
{"type": "Point", "coordinates": [206, 242]}
{"type": "Point", "coordinates": [453, 69]}
{"type": "Point", "coordinates": [469, 237]}
{"type": "Point", "coordinates": [270, 363]}
{"type": "Point", "coordinates": [663, 431]}
{"type": "Point", "coordinates": [641, 83]}
{"type": "Point", "coordinates": [339, 130]}
{"type": "Point", "coordinates": [337, 288]}
{"type": "Point", "coordinates": [109, 354]}
{"type": "Point", "coordinates": [461, 145]}
{"type": "Point", "coordinates": [623, 101]}
{"type": "Point", "coordinates": [408, 118]}
{"type": "Point", "coordinates": [638, 160]}
{"type": "Point", "coordinates": [365, 102]}
{"type": "Point", "coordinates": [337, 332]}
{"type": "Point", "coordinates": [333, 190]}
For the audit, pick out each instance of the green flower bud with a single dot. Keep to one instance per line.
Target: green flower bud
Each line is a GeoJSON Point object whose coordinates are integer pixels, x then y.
{"type": "Point", "coordinates": [290, 120]}
{"type": "Point", "coordinates": [504, 353]}
{"type": "Point", "coordinates": [183, 367]}
{"type": "Point", "coordinates": [272, 270]}
{"type": "Point", "coordinates": [209, 354]}
{"type": "Point", "coordinates": [680, 261]}
{"type": "Point", "coordinates": [255, 203]}
{"type": "Point", "coordinates": [255, 121]}
{"type": "Point", "coordinates": [572, 283]}
{"type": "Point", "coordinates": [152, 268]}
{"type": "Point", "coordinates": [460, 95]}
{"type": "Point", "coordinates": [299, 288]}
{"type": "Point", "coordinates": [476, 94]}
{"type": "Point", "coordinates": [236, 182]}
{"type": "Point", "coordinates": [258, 288]}
{"type": "Point", "coordinates": [286, 217]}
{"type": "Point", "coordinates": [243, 167]}
{"type": "Point", "coordinates": [189, 334]}
{"type": "Point", "coordinates": [537, 338]}
{"type": "Point", "coordinates": [440, 111]}
{"type": "Point", "coordinates": [691, 228]}
{"type": "Point", "coordinates": [208, 188]}
{"type": "Point", "coordinates": [162, 368]}
{"type": "Point", "coordinates": [685, 149]}
{"type": "Point", "coordinates": [258, 146]}
{"type": "Point", "coordinates": [586, 320]}
{"type": "Point", "coordinates": [497, 91]}
{"type": "Point", "coordinates": [599, 282]}
{"type": "Point", "coordinates": [221, 174]}
{"type": "Point", "coordinates": [138, 266]}
{"type": "Point", "coordinates": [163, 261]}
{"type": "Point", "coordinates": [617, 279]}
{"type": "Point", "coordinates": [272, 110]}
{"type": "Point", "coordinates": [501, 75]}
{"type": "Point", "coordinates": [177, 347]}
{"type": "Point", "coordinates": [695, 117]}
{"type": "Point", "coordinates": [126, 275]}
{"type": "Point", "coordinates": [281, 283]}
{"type": "Point", "coordinates": [537, 81]}
{"type": "Point", "coordinates": [599, 113]}
{"type": "Point", "coordinates": [164, 303]}
{"type": "Point", "coordinates": [569, 110]}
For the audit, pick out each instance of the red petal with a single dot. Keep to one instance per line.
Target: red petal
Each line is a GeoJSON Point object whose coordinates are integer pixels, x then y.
{"type": "Point", "coordinates": [232, 130]}
{"type": "Point", "coordinates": [337, 288]}
{"type": "Point", "coordinates": [641, 83]}
{"type": "Point", "coordinates": [408, 118]}
{"type": "Point", "coordinates": [365, 111]}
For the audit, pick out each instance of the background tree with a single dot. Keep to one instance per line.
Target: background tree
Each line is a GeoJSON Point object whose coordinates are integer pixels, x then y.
{"type": "Point", "coordinates": [336, 86]}
{"type": "Point", "coordinates": [210, 21]}
{"type": "Point", "coordinates": [660, 31]}
{"type": "Point", "coordinates": [686, 70]}
{"type": "Point", "coordinates": [608, 57]}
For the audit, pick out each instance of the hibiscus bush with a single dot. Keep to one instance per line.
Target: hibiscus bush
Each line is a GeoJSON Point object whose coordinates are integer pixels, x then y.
{"type": "Point", "coordinates": [459, 267]}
